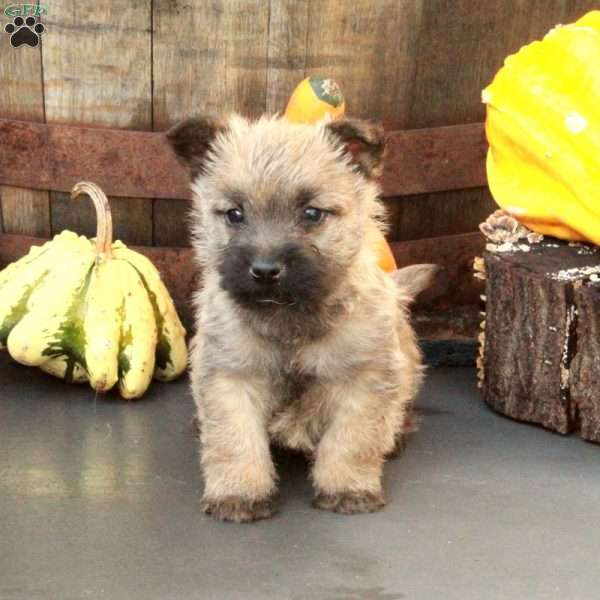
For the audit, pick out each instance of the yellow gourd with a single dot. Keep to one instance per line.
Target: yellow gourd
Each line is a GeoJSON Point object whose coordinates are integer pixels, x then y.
{"type": "Point", "coordinates": [543, 128]}
{"type": "Point", "coordinates": [313, 99]}
{"type": "Point", "coordinates": [91, 310]}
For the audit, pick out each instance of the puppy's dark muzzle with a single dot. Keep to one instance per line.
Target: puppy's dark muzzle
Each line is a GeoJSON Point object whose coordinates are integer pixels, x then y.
{"type": "Point", "coordinates": [266, 271]}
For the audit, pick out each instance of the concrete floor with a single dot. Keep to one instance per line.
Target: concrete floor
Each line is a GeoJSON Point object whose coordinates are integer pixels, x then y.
{"type": "Point", "coordinates": [98, 499]}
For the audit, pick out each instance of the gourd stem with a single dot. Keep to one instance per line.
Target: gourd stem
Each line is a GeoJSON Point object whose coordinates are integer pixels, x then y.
{"type": "Point", "coordinates": [104, 234]}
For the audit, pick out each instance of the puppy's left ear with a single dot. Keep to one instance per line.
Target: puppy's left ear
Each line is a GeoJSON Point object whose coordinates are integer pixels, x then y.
{"type": "Point", "coordinates": [191, 140]}
{"type": "Point", "coordinates": [364, 141]}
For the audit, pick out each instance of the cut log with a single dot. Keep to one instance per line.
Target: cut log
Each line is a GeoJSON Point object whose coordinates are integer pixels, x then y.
{"type": "Point", "coordinates": [540, 353]}
{"type": "Point", "coordinates": [585, 367]}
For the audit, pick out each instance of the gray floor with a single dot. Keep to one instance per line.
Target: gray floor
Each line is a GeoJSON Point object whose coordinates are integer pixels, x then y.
{"type": "Point", "coordinates": [98, 499]}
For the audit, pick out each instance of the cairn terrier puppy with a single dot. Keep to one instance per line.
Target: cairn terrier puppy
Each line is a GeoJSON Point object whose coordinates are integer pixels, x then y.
{"type": "Point", "coordinates": [302, 340]}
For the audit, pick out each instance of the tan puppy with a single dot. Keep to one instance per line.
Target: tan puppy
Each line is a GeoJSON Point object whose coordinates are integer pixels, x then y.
{"type": "Point", "coordinates": [301, 338]}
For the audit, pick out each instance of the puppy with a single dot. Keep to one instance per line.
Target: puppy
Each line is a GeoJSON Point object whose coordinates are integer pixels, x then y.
{"type": "Point", "coordinates": [302, 339]}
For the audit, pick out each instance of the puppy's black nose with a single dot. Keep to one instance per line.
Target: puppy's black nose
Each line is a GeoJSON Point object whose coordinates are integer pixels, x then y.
{"type": "Point", "coordinates": [265, 271]}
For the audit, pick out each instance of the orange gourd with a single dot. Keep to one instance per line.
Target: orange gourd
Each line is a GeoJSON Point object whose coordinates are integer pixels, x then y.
{"type": "Point", "coordinates": [311, 101]}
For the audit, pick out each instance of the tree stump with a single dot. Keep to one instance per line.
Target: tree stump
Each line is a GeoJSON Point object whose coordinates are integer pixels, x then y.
{"type": "Point", "coordinates": [540, 342]}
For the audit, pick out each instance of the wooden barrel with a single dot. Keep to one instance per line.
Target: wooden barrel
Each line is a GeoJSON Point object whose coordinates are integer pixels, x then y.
{"type": "Point", "coordinates": [139, 66]}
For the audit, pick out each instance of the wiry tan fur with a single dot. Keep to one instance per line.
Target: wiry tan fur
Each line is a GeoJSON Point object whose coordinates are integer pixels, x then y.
{"type": "Point", "coordinates": [334, 382]}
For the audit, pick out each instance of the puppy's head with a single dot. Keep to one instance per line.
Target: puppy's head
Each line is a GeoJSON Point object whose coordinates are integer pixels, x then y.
{"type": "Point", "coordinates": [280, 210]}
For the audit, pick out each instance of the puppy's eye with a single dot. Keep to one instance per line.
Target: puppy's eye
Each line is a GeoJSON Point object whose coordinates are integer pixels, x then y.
{"type": "Point", "coordinates": [312, 214]}
{"type": "Point", "coordinates": [234, 216]}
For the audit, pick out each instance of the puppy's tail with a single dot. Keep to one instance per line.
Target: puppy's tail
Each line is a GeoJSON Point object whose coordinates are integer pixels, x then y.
{"type": "Point", "coordinates": [414, 279]}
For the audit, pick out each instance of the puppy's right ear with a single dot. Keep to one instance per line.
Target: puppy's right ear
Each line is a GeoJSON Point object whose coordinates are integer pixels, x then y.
{"type": "Point", "coordinates": [191, 139]}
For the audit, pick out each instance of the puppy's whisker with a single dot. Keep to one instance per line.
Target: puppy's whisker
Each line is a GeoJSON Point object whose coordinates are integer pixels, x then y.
{"type": "Point", "coordinates": [271, 301]}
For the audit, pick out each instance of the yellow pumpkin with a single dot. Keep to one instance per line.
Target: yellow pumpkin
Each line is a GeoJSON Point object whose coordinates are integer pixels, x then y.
{"type": "Point", "coordinates": [311, 101]}
{"type": "Point", "coordinates": [543, 128]}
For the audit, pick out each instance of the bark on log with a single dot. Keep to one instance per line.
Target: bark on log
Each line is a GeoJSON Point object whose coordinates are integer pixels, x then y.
{"type": "Point", "coordinates": [585, 368]}
{"type": "Point", "coordinates": [540, 355]}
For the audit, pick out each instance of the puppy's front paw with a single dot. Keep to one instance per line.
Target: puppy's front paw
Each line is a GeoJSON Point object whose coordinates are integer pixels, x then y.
{"type": "Point", "coordinates": [350, 503]}
{"type": "Point", "coordinates": [237, 509]}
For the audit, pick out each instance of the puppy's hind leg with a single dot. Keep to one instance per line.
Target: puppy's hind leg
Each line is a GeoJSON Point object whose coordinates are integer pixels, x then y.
{"type": "Point", "coordinates": [239, 476]}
